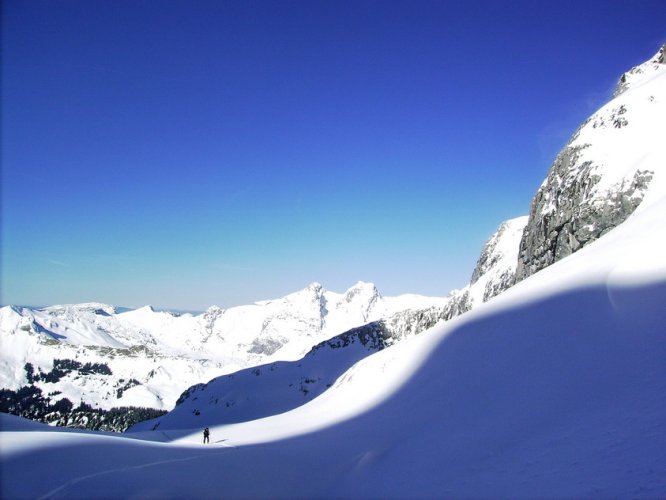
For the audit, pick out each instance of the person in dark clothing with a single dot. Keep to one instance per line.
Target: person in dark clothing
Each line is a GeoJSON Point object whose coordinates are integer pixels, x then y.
{"type": "Point", "coordinates": [206, 435]}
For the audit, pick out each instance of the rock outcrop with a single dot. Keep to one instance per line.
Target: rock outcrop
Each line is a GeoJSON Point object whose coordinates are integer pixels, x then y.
{"type": "Point", "coordinates": [603, 174]}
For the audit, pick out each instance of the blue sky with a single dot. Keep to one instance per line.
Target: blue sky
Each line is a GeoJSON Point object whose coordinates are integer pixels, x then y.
{"type": "Point", "coordinates": [190, 153]}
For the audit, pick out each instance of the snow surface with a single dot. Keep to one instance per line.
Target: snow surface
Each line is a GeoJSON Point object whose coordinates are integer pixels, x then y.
{"type": "Point", "coordinates": [555, 388]}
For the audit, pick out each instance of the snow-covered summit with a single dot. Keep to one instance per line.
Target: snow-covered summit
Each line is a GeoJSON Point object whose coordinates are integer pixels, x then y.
{"type": "Point", "coordinates": [641, 73]}
{"type": "Point", "coordinates": [311, 292]}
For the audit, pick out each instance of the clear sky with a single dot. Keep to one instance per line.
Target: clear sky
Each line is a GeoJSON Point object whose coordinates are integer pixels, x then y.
{"type": "Point", "coordinates": [190, 153]}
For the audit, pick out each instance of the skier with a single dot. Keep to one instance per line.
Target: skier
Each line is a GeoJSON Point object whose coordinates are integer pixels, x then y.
{"type": "Point", "coordinates": [206, 436]}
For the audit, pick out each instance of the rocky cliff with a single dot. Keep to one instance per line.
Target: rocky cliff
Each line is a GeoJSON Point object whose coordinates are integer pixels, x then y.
{"type": "Point", "coordinates": [604, 172]}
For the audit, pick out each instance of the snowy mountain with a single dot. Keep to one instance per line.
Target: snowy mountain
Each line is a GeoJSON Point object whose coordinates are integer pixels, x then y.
{"type": "Point", "coordinates": [151, 357]}
{"type": "Point", "coordinates": [277, 387]}
{"type": "Point", "coordinates": [607, 170]}
{"type": "Point", "coordinates": [154, 356]}
{"type": "Point", "coordinates": [147, 351]}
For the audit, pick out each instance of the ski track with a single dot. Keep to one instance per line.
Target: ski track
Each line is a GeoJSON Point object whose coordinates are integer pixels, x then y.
{"type": "Point", "coordinates": [77, 480]}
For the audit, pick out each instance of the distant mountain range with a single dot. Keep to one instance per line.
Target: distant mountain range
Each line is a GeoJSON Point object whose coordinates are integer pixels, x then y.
{"type": "Point", "coordinates": [154, 356]}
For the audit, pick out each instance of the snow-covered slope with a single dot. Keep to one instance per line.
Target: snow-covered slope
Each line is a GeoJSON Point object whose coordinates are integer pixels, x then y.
{"type": "Point", "coordinates": [273, 388]}
{"type": "Point", "coordinates": [554, 388]}
{"type": "Point", "coordinates": [642, 73]}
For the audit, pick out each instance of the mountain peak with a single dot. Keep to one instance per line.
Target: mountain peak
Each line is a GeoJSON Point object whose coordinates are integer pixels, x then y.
{"type": "Point", "coordinates": [362, 289]}
{"type": "Point", "coordinates": [363, 285]}
{"type": "Point", "coordinates": [638, 74]}
{"type": "Point", "coordinates": [314, 287]}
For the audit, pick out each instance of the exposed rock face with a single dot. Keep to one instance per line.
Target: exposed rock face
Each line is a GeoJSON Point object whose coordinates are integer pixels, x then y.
{"type": "Point", "coordinates": [408, 323]}
{"type": "Point", "coordinates": [266, 346]}
{"type": "Point", "coordinates": [564, 215]}
{"type": "Point", "coordinates": [373, 337]}
{"type": "Point", "coordinates": [488, 258]}
{"type": "Point", "coordinates": [503, 281]}
{"type": "Point", "coordinates": [603, 174]}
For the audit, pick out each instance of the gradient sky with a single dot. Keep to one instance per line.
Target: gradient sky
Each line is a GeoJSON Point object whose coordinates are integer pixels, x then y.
{"type": "Point", "coordinates": [190, 153]}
